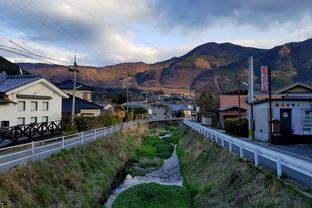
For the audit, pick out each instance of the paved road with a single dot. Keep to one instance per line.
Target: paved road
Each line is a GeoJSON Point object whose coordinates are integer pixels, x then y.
{"type": "Point", "coordinates": [21, 154]}
{"type": "Point", "coordinates": [298, 151]}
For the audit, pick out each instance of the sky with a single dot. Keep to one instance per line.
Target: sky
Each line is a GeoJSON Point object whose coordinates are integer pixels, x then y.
{"type": "Point", "coordinates": [106, 32]}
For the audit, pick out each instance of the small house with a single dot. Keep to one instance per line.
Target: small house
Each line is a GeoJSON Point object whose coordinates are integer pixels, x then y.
{"type": "Point", "coordinates": [29, 99]}
{"type": "Point", "coordinates": [291, 115]}
{"type": "Point", "coordinates": [82, 91]}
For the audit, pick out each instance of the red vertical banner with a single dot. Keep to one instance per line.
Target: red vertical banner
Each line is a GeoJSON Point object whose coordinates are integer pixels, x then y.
{"type": "Point", "coordinates": [264, 79]}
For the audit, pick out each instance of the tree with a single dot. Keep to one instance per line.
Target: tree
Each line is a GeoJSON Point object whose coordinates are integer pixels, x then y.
{"type": "Point", "coordinates": [121, 98]}
{"type": "Point", "coordinates": [206, 103]}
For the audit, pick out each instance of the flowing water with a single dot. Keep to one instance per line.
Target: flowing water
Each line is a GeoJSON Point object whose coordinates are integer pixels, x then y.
{"type": "Point", "coordinates": [167, 174]}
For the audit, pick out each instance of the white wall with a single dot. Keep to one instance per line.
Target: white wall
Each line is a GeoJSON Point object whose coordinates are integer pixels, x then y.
{"type": "Point", "coordinates": [79, 93]}
{"type": "Point", "coordinates": [11, 113]}
{"type": "Point", "coordinates": [261, 115]}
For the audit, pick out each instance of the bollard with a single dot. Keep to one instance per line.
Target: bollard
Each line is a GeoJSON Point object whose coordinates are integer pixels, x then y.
{"type": "Point", "coordinates": [63, 142]}
{"type": "Point", "coordinates": [256, 157]}
{"type": "Point", "coordinates": [230, 145]}
{"type": "Point", "coordinates": [33, 150]}
{"type": "Point", "coordinates": [279, 166]}
{"type": "Point", "coordinates": [81, 137]}
{"type": "Point", "coordinates": [241, 153]}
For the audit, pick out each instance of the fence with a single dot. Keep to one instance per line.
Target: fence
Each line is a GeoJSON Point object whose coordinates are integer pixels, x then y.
{"type": "Point", "coordinates": [30, 131]}
{"type": "Point", "coordinates": [34, 151]}
{"type": "Point", "coordinates": [280, 160]}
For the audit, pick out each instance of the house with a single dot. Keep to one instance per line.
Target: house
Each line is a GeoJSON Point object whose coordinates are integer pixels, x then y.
{"type": "Point", "coordinates": [154, 110]}
{"type": "Point", "coordinates": [230, 112]}
{"type": "Point", "coordinates": [231, 107]}
{"type": "Point", "coordinates": [291, 115]}
{"type": "Point", "coordinates": [82, 91]}
{"type": "Point", "coordinates": [186, 110]}
{"type": "Point", "coordinates": [26, 99]}
{"type": "Point", "coordinates": [106, 106]}
{"type": "Point", "coordinates": [297, 89]}
{"type": "Point", "coordinates": [82, 107]}
{"type": "Point", "coordinates": [83, 100]}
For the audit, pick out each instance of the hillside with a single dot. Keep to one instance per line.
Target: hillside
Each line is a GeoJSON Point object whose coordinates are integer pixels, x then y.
{"type": "Point", "coordinates": [209, 66]}
{"type": "Point", "coordinates": [9, 68]}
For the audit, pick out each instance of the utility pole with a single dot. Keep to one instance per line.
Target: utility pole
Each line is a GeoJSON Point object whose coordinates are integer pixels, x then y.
{"type": "Point", "coordinates": [146, 104]}
{"type": "Point", "coordinates": [74, 91]}
{"type": "Point", "coordinates": [250, 99]}
{"type": "Point", "coordinates": [270, 105]}
{"type": "Point", "coordinates": [239, 102]}
{"type": "Point", "coordinates": [127, 92]}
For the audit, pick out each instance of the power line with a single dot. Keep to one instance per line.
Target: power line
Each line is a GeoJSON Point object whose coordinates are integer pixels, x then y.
{"type": "Point", "coordinates": [112, 26]}
{"type": "Point", "coordinates": [27, 51]}
{"type": "Point", "coordinates": [28, 35]}
{"type": "Point", "coordinates": [55, 27]}
{"type": "Point", "coordinates": [25, 55]}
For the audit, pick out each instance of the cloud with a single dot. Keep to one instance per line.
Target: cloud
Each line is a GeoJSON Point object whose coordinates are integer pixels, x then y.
{"type": "Point", "coordinates": [207, 13]}
{"type": "Point", "coordinates": [113, 31]}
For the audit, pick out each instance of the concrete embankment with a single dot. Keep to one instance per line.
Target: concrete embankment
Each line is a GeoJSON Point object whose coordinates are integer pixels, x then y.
{"type": "Point", "coordinates": [79, 177]}
{"type": "Point", "coordinates": [218, 178]}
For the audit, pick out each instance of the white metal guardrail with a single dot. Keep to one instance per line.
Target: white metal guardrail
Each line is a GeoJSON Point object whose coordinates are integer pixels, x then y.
{"type": "Point", "coordinates": [279, 158]}
{"type": "Point", "coordinates": [34, 151]}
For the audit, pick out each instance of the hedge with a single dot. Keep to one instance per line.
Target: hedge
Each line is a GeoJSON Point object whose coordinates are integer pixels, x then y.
{"type": "Point", "coordinates": [236, 127]}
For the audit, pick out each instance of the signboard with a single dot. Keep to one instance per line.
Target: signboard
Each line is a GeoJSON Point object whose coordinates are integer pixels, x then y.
{"type": "Point", "coordinates": [121, 114]}
{"type": "Point", "coordinates": [264, 79]}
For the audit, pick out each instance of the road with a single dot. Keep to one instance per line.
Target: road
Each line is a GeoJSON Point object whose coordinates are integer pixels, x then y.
{"type": "Point", "coordinates": [21, 154]}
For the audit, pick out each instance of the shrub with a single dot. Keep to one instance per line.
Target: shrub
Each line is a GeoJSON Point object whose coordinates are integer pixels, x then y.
{"type": "Point", "coordinates": [154, 195]}
{"type": "Point", "coordinates": [236, 127]}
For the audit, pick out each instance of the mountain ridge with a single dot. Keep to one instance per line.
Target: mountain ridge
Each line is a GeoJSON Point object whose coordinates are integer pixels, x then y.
{"type": "Point", "coordinates": [213, 66]}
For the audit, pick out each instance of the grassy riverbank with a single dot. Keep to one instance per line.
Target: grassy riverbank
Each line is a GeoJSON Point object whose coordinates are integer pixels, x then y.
{"type": "Point", "coordinates": [151, 154]}
{"type": "Point", "coordinates": [79, 177]}
{"type": "Point", "coordinates": [218, 178]}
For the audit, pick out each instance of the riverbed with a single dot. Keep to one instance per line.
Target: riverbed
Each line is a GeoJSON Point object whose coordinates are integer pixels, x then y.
{"type": "Point", "coordinates": [167, 174]}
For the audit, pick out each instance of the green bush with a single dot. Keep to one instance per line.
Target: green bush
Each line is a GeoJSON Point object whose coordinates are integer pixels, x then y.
{"type": "Point", "coordinates": [87, 123]}
{"type": "Point", "coordinates": [236, 127]}
{"type": "Point", "coordinates": [154, 195]}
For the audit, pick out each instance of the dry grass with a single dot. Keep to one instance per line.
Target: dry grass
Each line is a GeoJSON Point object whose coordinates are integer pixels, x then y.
{"type": "Point", "coordinates": [218, 178]}
{"type": "Point", "coordinates": [79, 177]}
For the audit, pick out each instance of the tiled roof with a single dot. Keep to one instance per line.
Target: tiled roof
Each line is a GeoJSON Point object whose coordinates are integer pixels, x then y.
{"type": "Point", "coordinates": [10, 82]}
{"type": "Point", "coordinates": [177, 107]}
{"type": "Point", "coordinates": [69, 85]}
{"type": "Point", "coordinates": [232, 100]}
{"type": "Point", "coordinates": [79, 104]}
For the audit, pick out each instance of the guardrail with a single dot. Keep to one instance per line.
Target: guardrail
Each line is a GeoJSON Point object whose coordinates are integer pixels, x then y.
{"type": "Point", "coordinates": [34, 151]}
{"type": "Point", "coordinates": [280, 159]}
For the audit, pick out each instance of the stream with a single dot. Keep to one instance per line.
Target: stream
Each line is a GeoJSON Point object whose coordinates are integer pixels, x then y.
{"type": "Point", "coordinates": [167, 174]}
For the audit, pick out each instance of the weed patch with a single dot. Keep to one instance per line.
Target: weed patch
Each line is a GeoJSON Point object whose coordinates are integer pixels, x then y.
{"type": "Point", "coordinates": [154, 195]}
{"type": "Point", "coordinates": [218, 178]}
{"type": "Point", "coordinates": [78, 177]}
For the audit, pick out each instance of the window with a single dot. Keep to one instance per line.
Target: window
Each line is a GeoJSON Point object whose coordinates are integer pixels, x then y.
{"type": "Point", "coordinates": [45, 119]}
{"type": "Point", "coordinates": [5, 124]}
{"type": "Point", "coordinates": [21, 105]}
{"type": "Point", "coordinates": [20, 120]}
{"type": "Point", "coordinates": [34, 106]}
{"type": "Point", "coordinates": [86, 96]}
{"type": "Point", "coordinates": [33, 119]}
{"type": "Point", "coordinates": [45, 106]}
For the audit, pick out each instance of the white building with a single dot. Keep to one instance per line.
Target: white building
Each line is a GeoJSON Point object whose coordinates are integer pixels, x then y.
{"type": "Point", "coordinates": [291, 115]}
{"type": "Point", "coordinates": [29, 99]}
